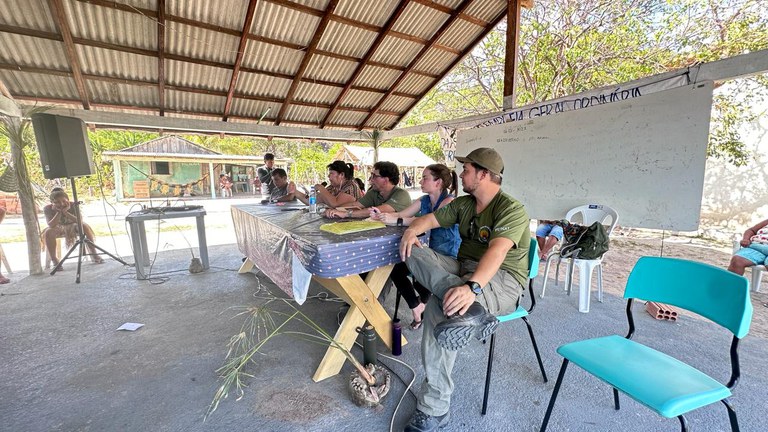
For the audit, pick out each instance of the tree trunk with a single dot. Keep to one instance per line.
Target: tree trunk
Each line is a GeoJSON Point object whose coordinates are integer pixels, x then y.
{"type": "Point", "coordinates": [26, 198]}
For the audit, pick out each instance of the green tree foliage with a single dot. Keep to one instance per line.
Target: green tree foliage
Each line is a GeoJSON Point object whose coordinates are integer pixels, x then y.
{"type": "Point", "coordinates": [572, 46]}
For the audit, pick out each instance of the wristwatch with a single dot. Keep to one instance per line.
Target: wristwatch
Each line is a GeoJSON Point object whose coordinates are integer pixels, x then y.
{"type": "Point", "coordinates": [475, 287]}
{"type": "Point", "coordinates": [399, 222]}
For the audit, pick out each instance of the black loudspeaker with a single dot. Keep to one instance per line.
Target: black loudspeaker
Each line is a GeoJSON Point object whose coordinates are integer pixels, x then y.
{"type": "Point", "coordinates": [64, 147]}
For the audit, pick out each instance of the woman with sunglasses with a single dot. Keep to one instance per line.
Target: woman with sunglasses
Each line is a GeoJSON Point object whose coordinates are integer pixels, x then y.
{"type": "Point", "coordinates": [438, 182]}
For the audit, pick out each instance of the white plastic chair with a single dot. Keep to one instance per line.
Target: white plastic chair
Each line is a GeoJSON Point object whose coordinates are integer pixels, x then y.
{"type": "Point", "coordinates": [590, 213]}
{"type": "Point", "coordinates": [757, 270]}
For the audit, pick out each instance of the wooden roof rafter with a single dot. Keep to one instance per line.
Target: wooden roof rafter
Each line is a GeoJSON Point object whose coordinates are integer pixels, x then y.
{"type": "Point", "coordinates": [240, 54]}
{"type": "Point", "coordinates": [161, 55]}
{"type": "Point", "coordinates": [452, 18]}
{"type": "Point", "coordinates": [366, 58]}
{"type": "Point", "coordinates": [319, 31]}
{"type": "Point", "coordinates": [60, 18]}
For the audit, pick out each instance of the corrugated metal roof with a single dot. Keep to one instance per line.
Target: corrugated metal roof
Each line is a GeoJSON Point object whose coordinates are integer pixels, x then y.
{"type": "Point", "coordinates": [324, 68]}
{"type": "Point", "coordinates": [316, 93]}
{"type": "Point", "coordinates": [262, 85]}
{"type": "Point", "coordinates": [110, 25]}
{"type": "Point", "coordinates": [360, 98]}
{"type": "Point", "coordinates": [16, 47]}
{"type": "Point", "coordinates": [200, 43]}
{"type": "Point", "coordinates": [271, 58]}
{"type": "Point", "coordinates": [197, 76]}
{"type": "Point", "coordinates": [397, 52]}
{"type": "Point", "coordinates": [346, 40]}
{"type": "Point", "coordinates": [117, 51]}
{"type": "Point", "coordinates": [44, 86]}
{"type": "Point", "coordinates": [111, 63]}
{"type": "Point", "coordinates": [224, 13]}
{"type": "Point", "coordinates": [420, 21]}
{"type": "Point", "coordinates": [27, 14]}
{"type": "Point", "coordinates": [121, 94]}
{"type": "Point", "coordinates": [374, 12]}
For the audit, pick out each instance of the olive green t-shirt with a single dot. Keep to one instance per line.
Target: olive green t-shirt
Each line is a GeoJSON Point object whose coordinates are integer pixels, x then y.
{"type": "Point", "coordinates": [504, 217]}
{"type": "Point", "coordinates": [399, 199]}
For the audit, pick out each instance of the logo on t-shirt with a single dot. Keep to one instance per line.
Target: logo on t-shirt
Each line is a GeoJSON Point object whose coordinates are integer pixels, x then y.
{"type": "Point", "coordinates": [484, 234]}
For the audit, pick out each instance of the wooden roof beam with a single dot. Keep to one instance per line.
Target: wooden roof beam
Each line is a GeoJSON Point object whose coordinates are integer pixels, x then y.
{"type": "Point", "coordinates": [60, 18]}
{"type": "Point", "coordinates": [307, 57]}
{"type": "Point", "coordinates": [161, 55]}
{"type": "Point", "coordinates": [376, 43]}
{"type": "Point", "coordinates": [240, 54]}
{"type": "Point", "coordinates": [439, 33]}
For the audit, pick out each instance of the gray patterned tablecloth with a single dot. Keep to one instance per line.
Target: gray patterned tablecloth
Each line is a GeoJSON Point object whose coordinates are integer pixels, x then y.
{"type": "Point", "coordinates": [274, 238]}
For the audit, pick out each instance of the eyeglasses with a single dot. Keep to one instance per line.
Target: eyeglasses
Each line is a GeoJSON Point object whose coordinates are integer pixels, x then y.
{"type": "Point", "coordinates": [375, 176]}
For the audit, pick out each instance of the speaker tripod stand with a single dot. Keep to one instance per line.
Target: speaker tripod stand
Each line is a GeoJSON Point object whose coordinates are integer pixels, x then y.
{"type": "Point", "coordinates": [82, 240]}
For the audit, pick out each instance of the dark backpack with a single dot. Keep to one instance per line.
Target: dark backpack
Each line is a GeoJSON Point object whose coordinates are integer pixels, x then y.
{"type": "Point", "coordinates": [585, 242]}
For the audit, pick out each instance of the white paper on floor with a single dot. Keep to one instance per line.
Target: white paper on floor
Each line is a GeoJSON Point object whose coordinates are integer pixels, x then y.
{"type": "Point", "coordinates": [130, 326]}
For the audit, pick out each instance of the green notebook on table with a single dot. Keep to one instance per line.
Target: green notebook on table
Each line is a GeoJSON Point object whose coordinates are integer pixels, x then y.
{"type": "Point", "coordinates": [351, 227]}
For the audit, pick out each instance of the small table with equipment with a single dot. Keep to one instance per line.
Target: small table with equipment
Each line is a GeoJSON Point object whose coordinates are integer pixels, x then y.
{"type": "Point", "coordinates": [139, 234]}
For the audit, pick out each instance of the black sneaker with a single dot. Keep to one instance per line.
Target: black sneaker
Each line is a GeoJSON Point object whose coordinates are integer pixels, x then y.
{"type": "Point", "coordinates": [421, 422]}
{"type": "Point", "coordinates": [456, 332]}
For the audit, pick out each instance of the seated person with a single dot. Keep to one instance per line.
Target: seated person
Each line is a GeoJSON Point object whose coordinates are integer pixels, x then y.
{"type": "Point", "coordinates": [225, 184]}
{"type": "Point", "coordinates": [754, 249]}
{"type": "Point", "coordinates": [342, 190]}
{"type": "Point", "coordinates": [383, 194]}
{"type": "Point", "coordinates": [3, 279]}
{"type": "Point", "coordinates": [548, 234]}
{"type": "Point", "coordinates": [438, 182]}
{"type": "Point", "coordinates": [62, 222]}
{"type": "Point", "coordinates": [360, 184]}
{"type": "Point", "coordinates": [281, 186]}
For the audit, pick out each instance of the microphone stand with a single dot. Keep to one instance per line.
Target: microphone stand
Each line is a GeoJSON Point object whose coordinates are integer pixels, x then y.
{"type": "Point", "coordinates": [82, 241]}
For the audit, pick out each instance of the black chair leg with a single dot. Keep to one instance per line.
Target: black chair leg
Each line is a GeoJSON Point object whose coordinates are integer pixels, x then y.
{"type": "Point", "coordinates": [683, 423]}
{"type": "Point", "coordinates": [731, 415]}
{"type": "Point", "coordinates": [554, 395]}
{"type": "Point", "coordinates": [536, 349]}
{"type": "Point", "coordinates": [397, 304]}
{"type": "Point", "coordinates": [616, 399]}
{"type": "Point", "coordinates": [488, 373]}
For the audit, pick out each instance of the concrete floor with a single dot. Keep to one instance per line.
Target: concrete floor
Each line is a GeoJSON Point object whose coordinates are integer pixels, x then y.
{"type": "Point", "coordinates": [64, 367]}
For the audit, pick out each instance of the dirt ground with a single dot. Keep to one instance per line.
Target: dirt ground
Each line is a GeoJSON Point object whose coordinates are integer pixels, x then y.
{"type": "Point", "coordinates": [627, 247]}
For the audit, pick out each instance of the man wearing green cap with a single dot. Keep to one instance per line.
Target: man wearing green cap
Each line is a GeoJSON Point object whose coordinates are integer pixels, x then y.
{"type": "Point", "coordinates": [485, 280]}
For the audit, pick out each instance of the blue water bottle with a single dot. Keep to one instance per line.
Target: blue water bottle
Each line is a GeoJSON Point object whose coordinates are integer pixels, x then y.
{"type": "Point", "coordinates": [312, 200]}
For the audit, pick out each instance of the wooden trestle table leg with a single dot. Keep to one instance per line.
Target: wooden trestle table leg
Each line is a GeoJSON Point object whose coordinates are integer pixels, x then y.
{"type": "Point", "coordinates": [362, 297]}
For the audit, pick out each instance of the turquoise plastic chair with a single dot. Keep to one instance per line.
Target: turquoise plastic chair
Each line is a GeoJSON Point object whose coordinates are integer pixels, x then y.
{"type": "Point", "coordinates": [520, 312]}
{"type": "Point", "coordinates": [656, 380]}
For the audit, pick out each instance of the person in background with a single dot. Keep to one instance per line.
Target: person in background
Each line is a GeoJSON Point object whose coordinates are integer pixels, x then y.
{"type": "Point", "coordinates": [754, 249]}
{"type": "Point", "coordinates": [548, 234]}
{"type": "Point", "coordinates": [383, 194]}
{"type": "Point", "coordinates": [342, 190]}
{"type": "Point", "coordinates": [486, 280]}
{"type": "Point", "coordinates": [438, 182]}
{"type": "Point", "coordinates": [3, 279]}
{"type": "Point", "coordinates": [280, 193]}
{"type": "Point", "coordinates": [360, 184]}
{"type": "Point", "coordinates": [225, 184]}
{"type": "Point", "coordinates": [62, 222]}
{"type": "Point", "coordinates": [264, 172]}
